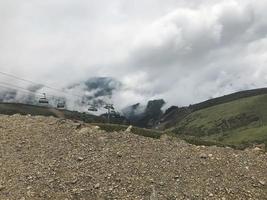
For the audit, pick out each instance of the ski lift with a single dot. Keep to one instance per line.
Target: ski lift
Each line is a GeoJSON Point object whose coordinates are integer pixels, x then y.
{"type": "Point", "coordinates": [92, 108]}
{"type": "Point", "coordinates": [112, 112]}
{"type": "Point", "coordinates": [61, 105]}
{"type": "Point", "coordinates": [109, 106]}
{"type": "Point", "coordinates": [43, 99]}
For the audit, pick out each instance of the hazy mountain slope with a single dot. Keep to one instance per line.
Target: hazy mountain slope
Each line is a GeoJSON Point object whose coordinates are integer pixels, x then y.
{"type": "Point", "coordinates": [173, 117]}
{"type": "Point", "coordinates": [144, 116]}
{"type": "Point", "coordinates": [238, 122]}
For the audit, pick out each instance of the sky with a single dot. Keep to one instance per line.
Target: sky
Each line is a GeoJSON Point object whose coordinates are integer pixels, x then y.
{"type": "Point", "coordinates": [184, 51]}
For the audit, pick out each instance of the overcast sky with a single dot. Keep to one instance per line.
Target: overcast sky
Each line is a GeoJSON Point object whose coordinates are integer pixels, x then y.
{"type": "Point", "coordinates": [184, 51]}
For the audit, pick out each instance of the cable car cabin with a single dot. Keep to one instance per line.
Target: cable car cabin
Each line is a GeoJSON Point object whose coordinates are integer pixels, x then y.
{"type": "Point", "coordinates": [60, 105]}
{"type": "Point", "coordinates": [109, 106]}
{"type": "Point", "coordinates": [92, 108]}
{"type": "Point", "coordinates": [43, 100]}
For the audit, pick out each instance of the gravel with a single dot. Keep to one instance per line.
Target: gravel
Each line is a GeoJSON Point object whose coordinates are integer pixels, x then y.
{"type": "Point", "coordinates": [48, 158]}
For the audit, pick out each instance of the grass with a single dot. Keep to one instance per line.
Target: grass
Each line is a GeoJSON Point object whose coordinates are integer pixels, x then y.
{"type": "Point", "coordinates": [24, 109]}
{"type": "Point", "coordinates": [247, 135]}
{"type": "Point", "coordinates": [239, 123]}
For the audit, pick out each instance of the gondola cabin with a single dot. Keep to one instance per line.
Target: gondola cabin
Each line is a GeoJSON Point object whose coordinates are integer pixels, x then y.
{"type": "Point", "coordinates": [43, 100]}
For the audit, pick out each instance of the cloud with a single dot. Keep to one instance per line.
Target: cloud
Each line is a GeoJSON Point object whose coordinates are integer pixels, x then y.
{"type": "Point", "coordinates": [182, 51]}
{"type": "Point", "coordinates": [204, 51]}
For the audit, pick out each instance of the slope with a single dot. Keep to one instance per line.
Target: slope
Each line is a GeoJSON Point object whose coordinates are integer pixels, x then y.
{"type": "Point", "coordinates": [48, 158]}
{"type": "Point", "coordinates": [173, 116]}
{"type": "Point", "coordinates": [239, 122]}
{"type": "Point", "coordinates": [25, 109]}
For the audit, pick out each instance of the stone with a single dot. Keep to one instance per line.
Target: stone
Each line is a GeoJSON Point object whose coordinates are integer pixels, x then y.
{"type": "Point", "coordinates": [161, 183]}
{"type": "Point", "coordinates": [129, 129]}
{"type": "Point", "coordinates": [257, 149]}
{"type": "Point", "coordinates": [80, 158]}
{"type": "Point", "coordinates": [97, 186]}
{"type": "Point", "coordinates": [262, 182]}
{"type": "Point", "coordinates": [203, 156]}
{"type": "Point", "coordinates": [2, 187]}
{"type": "Point", "coordinates": [211, 195]}
{"type": "Point", "coordinates": [119, 154]}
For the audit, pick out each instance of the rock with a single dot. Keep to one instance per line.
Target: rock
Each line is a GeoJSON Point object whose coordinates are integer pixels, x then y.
{"type": "Point", "coordinates": [77, 125]}
{"type": "Point", "coordinates": [166, 138]}
{"type": "Point", "coordinates": [119, 154]}
{"type": "Point", "coordinates": [262, 182]}
{"type": "Point", "coordinates": [129, 129]}
{"type": "Point", "coordinates": [96, 127]}
{"type": "Point", "coordinates": [203, 156]}
{"type": "Point", "coordinates": [151, 180]}
{"type": "Point", "coordinates": [97, 186]}
{"type": "Point", "coordinates": [80, 158]}
{"type": "Point", "coordinates": [2, 187]}
{"type": "Point", "coordinates": [85, 130]}
{"type": "Point", "coordinates": [257, 149]}
{"type": "Point", "coordinates": [15, 115]}
{"type": "Point", "coordinates": [211, 195]}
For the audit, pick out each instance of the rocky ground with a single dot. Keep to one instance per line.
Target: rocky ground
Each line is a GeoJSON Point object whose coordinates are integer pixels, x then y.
{"type": "Point", "coordinates": [49, 158]}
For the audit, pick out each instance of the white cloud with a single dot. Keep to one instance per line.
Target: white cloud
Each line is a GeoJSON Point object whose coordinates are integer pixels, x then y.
{"type": "Point", "coordinates": [182, 51]}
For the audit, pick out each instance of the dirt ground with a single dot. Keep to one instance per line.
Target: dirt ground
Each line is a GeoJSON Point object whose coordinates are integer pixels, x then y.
{"type": "Point", "coordinates": [49, 158]}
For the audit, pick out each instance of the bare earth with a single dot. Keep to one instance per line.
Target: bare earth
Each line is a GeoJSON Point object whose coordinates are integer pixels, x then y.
{"type": "Point", "coordinates": [48, 158]}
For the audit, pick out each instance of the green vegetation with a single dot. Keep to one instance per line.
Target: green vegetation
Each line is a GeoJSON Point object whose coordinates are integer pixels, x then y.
{"type": "Point", "coordinates": [239, 123]}
{"type": "Point", "coordinates": [24, 109]}
{"type": "Point", "coordinates": [238, 120]}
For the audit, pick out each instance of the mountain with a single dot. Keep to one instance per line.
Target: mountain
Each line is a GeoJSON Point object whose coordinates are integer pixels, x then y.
{"type": "Point", "coordinates": [174, 114]}
{"type": "Point", "coordinates": [151, 115]}
{"type": "Point", "coordinates": [239, 119]}
{"type": "Point", "coordinates": [144, 116]}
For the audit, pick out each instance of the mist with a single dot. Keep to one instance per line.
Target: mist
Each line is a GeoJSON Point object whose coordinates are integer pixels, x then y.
{"type": "Point", "coordinates": [180, 51]}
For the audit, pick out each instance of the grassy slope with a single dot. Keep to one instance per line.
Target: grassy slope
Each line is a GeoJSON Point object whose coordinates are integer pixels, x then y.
{"type": "Point", "coordinates": [175, 116]}
{"type": "Point", "coordinates": [239, 122]}
{"type": "Point", "coordinates": [24, 109]}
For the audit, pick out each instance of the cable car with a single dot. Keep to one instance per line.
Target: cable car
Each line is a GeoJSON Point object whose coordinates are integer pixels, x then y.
{"type": "Point", "coordinates": [113, 112]}
{"type": "Point", "coordinates": [92, 108]}
{"type": "Point", "coordinates": [43, 99]}
{"type": "Point", "coordinates": [61, 105]}
{"type": "Point", "coordinates": [109, 106]}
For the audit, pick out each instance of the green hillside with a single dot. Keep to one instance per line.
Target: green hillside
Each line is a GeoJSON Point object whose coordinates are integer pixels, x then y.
{"type": "Point", "coordinates": [24, 109]}
{"type": "Point", "coordinates": [175, 114]}
{"type": "Point", "coordinates": [240, 123]}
